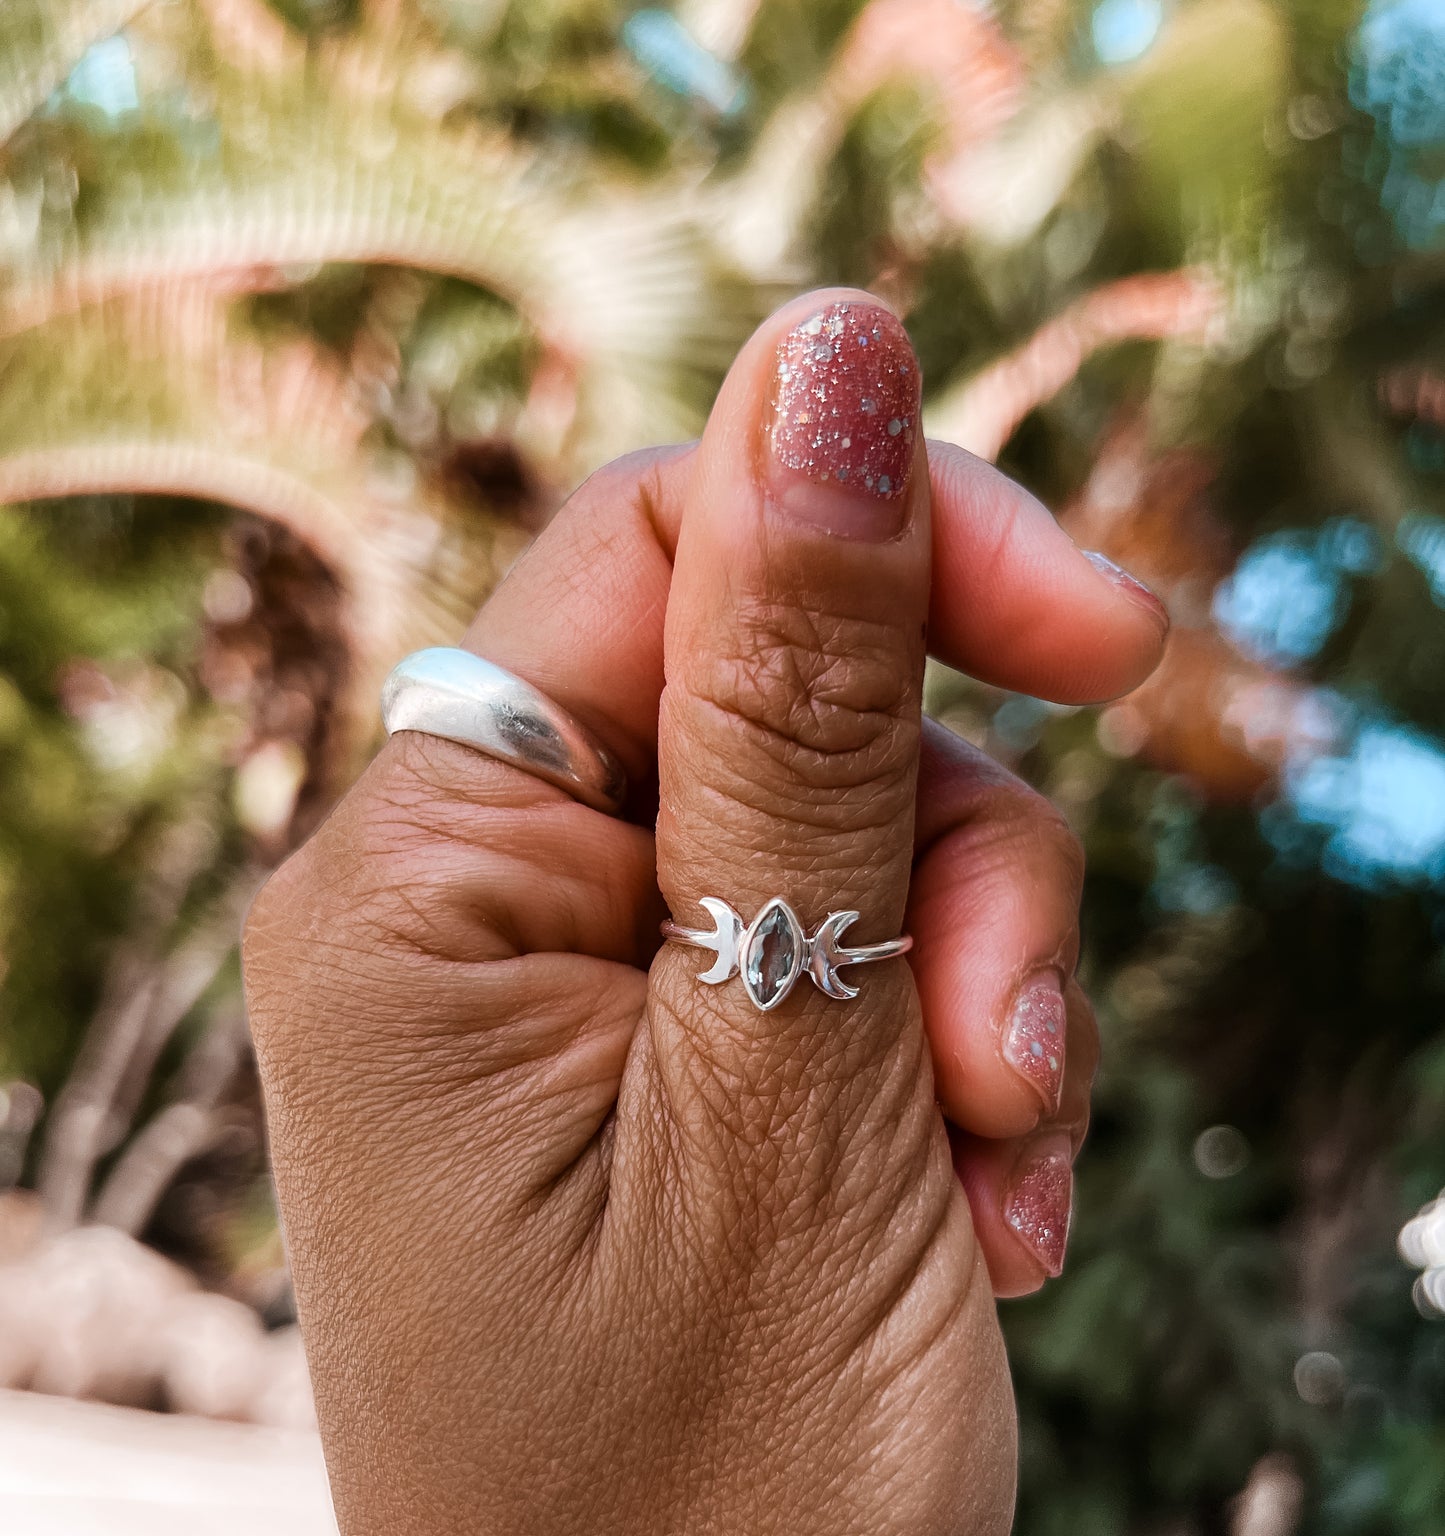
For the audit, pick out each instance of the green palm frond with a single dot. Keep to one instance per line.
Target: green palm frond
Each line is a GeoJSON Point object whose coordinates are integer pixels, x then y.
{"type": "Point", "coordinates": [40, 43]}
{"type": "Point", "coordinates": [164, 393]}
{"type": "Point", "coordinates": [619, 286]}
{"type": "Point", "coordinates": [620, 294]}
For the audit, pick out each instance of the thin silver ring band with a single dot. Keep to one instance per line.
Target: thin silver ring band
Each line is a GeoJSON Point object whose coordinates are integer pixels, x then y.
{"type": "Point", "coordinates": [460, 697]}
{"type": "Point", "coordinates": [773, 952]}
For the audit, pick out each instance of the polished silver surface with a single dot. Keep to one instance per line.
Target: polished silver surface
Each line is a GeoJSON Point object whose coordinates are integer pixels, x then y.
{"type": "Point", "coordinates": [463, 698]}
{"type": "Point", "coordinates": [773, 951]}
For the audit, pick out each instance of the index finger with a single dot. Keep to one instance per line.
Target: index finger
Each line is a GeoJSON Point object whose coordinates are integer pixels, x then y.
{"type": "Point", "coordinates": [1018, 604]}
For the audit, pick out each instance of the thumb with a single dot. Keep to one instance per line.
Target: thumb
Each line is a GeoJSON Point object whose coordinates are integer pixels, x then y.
{"type": "Point", "coordinates": [790, 719]}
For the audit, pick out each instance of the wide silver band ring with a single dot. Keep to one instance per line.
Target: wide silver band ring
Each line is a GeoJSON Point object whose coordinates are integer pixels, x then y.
{"type": "Point", "coordinates": [461, 697]}
{"type": "Point", "coordinates": [773, 951]}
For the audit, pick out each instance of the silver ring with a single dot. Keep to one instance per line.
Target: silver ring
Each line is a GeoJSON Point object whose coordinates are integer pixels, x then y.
{"type": "Point", "coordinates": [773, 951]}
{"type": "Point", "coordinates": [453, 694]}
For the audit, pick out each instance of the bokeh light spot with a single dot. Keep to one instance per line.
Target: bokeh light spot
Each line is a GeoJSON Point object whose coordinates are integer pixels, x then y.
{"type": "Point", "coordinates": [105, 78]}
{"type": "Point", "coordinates": [1421, 538]}
{"type": "Point", "coordinates": [675, 59]}
{"type": "Point", "coordinates": [1221, 1152]}
{"type": "Point", "coordinates": [1124, 30]}
{"type": "Point", "coordinates": [1319, 1378]}
{"type": "Point", "coordinates": [1282, 602]}
{"type": "Point", "coordinates": [1290, 590]}
{"type": "Point", "coordinates": [1382, 802]}
{"type": "Point", "coordinates": [1398, 79]}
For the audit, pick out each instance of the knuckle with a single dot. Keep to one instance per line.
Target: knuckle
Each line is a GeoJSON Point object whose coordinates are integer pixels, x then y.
{"type": "Point", "coordinates": [1024, 817]}
{"type": "Point", "coordinates": [822, 701]}
{"type": "Point", "coordinates": [1060, 844]}
{"type": "Point", "coordinates": [313, 942]}
{"type": "Point", "coordinates": [387, 882]}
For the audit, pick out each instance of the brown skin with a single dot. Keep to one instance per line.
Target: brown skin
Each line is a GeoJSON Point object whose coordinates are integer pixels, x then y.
{"type": "Point", "coordinates": [581, 1245]}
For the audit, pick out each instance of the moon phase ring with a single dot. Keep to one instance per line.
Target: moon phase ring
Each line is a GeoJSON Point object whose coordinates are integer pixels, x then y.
{"type": "Point", "coordinates": [773, 952]}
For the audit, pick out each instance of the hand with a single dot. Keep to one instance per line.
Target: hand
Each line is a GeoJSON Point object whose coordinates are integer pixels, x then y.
{"type": "Point", "coordinates": [582, 1245]}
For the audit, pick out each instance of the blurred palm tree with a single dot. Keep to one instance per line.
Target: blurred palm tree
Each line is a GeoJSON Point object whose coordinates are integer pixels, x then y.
{"type": "Point", "coordinates": [312, 310]}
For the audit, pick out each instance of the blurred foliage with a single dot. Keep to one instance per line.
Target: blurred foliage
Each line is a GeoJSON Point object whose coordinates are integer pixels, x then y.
{"type": "Point", "coordinates": [311, 311]}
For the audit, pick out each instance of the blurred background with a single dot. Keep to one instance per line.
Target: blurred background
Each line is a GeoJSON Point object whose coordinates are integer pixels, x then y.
{"type": "Point", "coordinates": [311, 312]}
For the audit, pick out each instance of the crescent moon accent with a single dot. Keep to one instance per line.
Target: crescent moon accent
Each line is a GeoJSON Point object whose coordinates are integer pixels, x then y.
{"type": "Point", "coordinates": [724, 941]}
{"type": "Point", "coordinates": [825, 956]}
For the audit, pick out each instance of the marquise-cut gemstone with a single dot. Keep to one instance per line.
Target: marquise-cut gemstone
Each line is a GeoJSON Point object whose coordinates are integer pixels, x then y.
{"type": "Point", "coordinates": [774, 955]}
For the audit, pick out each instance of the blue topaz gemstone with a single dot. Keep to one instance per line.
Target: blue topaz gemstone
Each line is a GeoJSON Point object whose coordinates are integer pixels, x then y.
{"type": "Point", "coordinates": [774, 949]}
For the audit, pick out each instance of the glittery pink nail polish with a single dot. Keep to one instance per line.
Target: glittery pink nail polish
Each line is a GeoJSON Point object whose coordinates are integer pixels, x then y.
{"type": "Point", "coordinates": [1033, 1042]}
{"type": "Point", "coordinates": [1130, 585]}
{"type": "Point", "coordinates": [1039, 1201]}
{"type": "Point", "coordinates": [845, 416]}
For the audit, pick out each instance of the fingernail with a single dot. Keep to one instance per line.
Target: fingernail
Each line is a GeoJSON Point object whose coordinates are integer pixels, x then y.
{"type": "Point", "coordinates": [1129, 585]}
{"type": "Point", "coordinates": [1033, 1042]}
{"type": "Point", "coordinates": [1040, 1201]}
{"type": "Point", "coordinates": [844, 420]}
